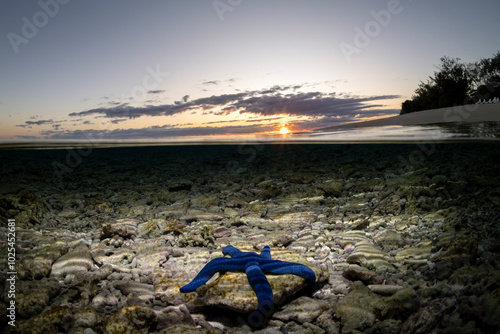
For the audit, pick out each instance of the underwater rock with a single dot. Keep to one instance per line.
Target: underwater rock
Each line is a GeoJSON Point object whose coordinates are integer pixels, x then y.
{"type": "Point", "coordinates": [483, 310]}
{"type": "Point", "coordinates": [125, 228]}
{"type": "Point", "coordinates": [151, 228]}
{"type": "Point", "coordinates": [269, 191]}
{"type": "Point", "coordinates": [331, 188]}
{"type": "Point", "coordinates": [202, 235]}
{"type": "Point", "coordinates": [350, 238]}
{"type": "Point", "coordinates": [254, 220]}
{"type": "Point", "coordinates": [201, 215]}
{"type": "Point", "coordinates": [230, 290]}
{"type": "Point", "coordinates": [359, 224]}
{"type": "Point", "coordinates": [179, 185]}
{"type": "Point", "coordinates": [236, 200]}
{"type": "Point", "coordinates": [33, 296]}
{"type": "Point", "coordinates": [401, 304]}
{"type": "Point", "coordinates": [230, 212]}
{"type": "Point", "coordinates": [151, 253]}
{"type": "Point", "coordinates": [367, 255]}
{"type": "Point", "coordinates": [389, 240]}
{"type": "Point", "coordinates": [131, 319]}
{"type": "Point", "coordinates": [75, 261]}
{"type": "Point", "coordinates": [222, 231]}
{"type": "Point", "coordinates": [174, 315]}
{"type": "Point", "coordinates": [10, 188]}
{"type": "Point", "coordinates": [326, 322]}
{"type": "Point", "coordinates": [387, 326]}
{"type": "Point", "coordinates": [322, 253]}
{"type": "Point", "coordinates": [56, 319]}
{"type": "Point", "coordinates": [67, 214]}
{"type": "Point", "coordinates": [365, 275]}
{"type": "Point", "coordinates": [30, 210]}
{"type": "Point", "coordinates": [294, 219]}
{"type": "Point", "coordinates": [300, 178]}
{"type": "Point", "coordinates": [205, 201]}
{"type": "Point", "coordinates": [176, 271]}
{"type": "Point", "coordinates": [104, 301]}
{"type": "Point", "coordinates": [127, 287]}
{"type": "Point", "coordinates": [38, 265]}
{"type": "Point", "coordinates": [183, 329]}
{"type": "Point", "coordinates": [427, 317]}
{"type": "Point", "coordinates": [358, 309]}
{"type": "Point", "coordinates": [421, 251]}
{"type": "Point", "coordinates": [303, 309]}
{"type": "Point", "coordinates": [101, 206]}
{"type": "Point", "coordinates": [105, 254]}
{"type": "Point", "coordinates": [133, 211]}
{"type": "Point", "coordinates": [293, 327]}
{"type": "Point", "coordinates": [461, 251]}
{"type": "Point", "coordinates": [385, 290]}
{"type": "Point", "coordinates": [86, 317]}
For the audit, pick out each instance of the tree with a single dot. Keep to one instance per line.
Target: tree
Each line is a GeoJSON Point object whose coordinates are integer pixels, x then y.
{"type": "Point", "coordinates": [487, 78]}
{"type": "Point", "coordinates": [450, 86]}
{"type": "Point", "coordinates": [456, 84]}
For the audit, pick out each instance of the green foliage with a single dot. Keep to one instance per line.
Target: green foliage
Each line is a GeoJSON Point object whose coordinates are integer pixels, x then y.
{"type": "Point", "coordinates": [456, 84]}
{"type": "Point", "coordinates": [488, 78]}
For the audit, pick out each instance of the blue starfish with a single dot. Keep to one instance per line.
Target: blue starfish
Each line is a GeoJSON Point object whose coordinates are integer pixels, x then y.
{"type": "Point", "coordinates": [255, 265]}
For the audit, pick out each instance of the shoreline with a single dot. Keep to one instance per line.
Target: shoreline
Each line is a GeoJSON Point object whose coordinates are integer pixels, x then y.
{"type": "Point", "coordinates": [468, 113]}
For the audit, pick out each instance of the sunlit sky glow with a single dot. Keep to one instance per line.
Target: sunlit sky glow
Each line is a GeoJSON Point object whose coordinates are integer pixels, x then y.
{"type": "Point", "coordinates": [172, 69]}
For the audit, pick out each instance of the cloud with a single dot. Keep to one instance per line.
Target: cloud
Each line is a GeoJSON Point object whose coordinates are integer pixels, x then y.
{"type": "Point", "coordinates": [265, 102]}
{"type": "Point", "coordinates": [40, 122]}
{"type": "Point", "coordinates": [157, 91]}
{"type": "Point", "coordinates": [312, 104]}
{"type": "Point", "coordinates": [309, 110]}
{"type": "Point", "coordinates": [118, 120]}
{"type": "Point", "coordinates": [124, 110]}
{"type": "Point", "coordinates": [156, 132]}
{"type": "Point", "coordinates": [27, 137]}
{"type": "Point", "coordinates": [211, 82]}
{"type": "Point", "coordinates": [224, 127]}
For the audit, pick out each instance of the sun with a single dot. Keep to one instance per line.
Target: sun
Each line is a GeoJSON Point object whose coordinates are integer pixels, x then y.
{"type": "Point", "coordinates": [284, 130]}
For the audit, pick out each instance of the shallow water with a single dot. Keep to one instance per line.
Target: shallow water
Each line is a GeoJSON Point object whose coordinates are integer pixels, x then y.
{"type": "Point", "coordinates": [430, 132]}
{"type": "Point", "coordinates": [69, 194]}
{"type": "Point", "coordinates": [443, 132]}
{"type": "Point", "coordinates": [162, 163]}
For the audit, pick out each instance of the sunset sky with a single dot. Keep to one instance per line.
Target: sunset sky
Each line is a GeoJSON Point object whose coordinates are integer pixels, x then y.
{"type": "Point", "coordinates": [161, 69]}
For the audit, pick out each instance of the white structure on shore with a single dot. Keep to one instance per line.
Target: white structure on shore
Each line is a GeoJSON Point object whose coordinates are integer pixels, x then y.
{"type": "Point", "coordinates": [495, 100]}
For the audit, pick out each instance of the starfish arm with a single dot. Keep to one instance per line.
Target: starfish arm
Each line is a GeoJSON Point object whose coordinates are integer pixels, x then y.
{"type": "Point", "coordinates": [212, 267]}
{"type": "Point", "coordinates": [261, 286]}
{"type": "Point", "coordinates": [266, 252]}
{"type": "Point", "coordinates": [232, 251]}
{"type": "Point", "coordinates": [282, 267]}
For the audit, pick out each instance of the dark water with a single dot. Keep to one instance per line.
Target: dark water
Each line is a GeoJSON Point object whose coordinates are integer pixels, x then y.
{"type": "Point", "coordinates": [63, 167]}
{"type": "Point", "coordinates": [79, 189]}
{"type": "Point", "coordinates": [57, 177]}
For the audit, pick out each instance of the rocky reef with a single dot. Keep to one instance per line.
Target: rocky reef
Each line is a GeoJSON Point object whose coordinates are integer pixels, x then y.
{"type": "Point", "coordinates": [402, 239]}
